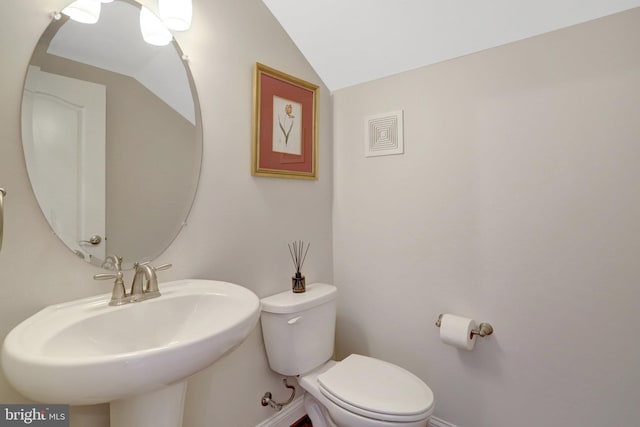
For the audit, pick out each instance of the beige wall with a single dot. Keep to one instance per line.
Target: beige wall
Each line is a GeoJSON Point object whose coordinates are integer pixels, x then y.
{"type": "Point", "coordinates": [516, 202]}
{"type": "Point", "coordinates": [239, 226]}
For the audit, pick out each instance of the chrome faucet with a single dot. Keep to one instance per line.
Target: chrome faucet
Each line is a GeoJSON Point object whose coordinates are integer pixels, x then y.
{"type": "Point", "coordinates": [139, 291]}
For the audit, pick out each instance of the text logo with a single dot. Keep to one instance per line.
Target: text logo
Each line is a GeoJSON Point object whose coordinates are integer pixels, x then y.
{"type": "Point", "coordinates": [34, 415]}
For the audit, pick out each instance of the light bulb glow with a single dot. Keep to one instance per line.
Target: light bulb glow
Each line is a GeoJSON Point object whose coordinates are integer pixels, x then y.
{"type": "Point", "coordinates": [176, 14]}
{"type": "Point", "coordinates": [153, 30]}
{"type": "Point", "coordinates": [85, 11]}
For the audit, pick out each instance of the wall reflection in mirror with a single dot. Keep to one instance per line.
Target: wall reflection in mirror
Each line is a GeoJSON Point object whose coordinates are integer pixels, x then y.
{"type": "Point", "coordinates": [112, 136]}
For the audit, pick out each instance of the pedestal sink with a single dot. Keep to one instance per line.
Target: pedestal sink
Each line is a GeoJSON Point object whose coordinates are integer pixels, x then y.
{"type": "Point", "coordinates": [136, 356]}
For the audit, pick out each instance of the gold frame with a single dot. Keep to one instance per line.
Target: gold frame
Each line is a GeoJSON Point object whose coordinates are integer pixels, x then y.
{"type": "Point", "coordinates": [261, 70]}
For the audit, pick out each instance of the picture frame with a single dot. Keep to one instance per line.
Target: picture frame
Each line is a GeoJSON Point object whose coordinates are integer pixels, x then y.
{"type": "Point", "coordinates": [285, 125]}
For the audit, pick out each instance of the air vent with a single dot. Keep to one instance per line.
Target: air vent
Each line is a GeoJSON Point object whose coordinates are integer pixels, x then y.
{"type": "Point", "coordinates": [384, 134]}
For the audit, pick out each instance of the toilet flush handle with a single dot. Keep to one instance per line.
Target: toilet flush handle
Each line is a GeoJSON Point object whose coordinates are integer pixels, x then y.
{"type": "Point", "coordinates": [294, 320]}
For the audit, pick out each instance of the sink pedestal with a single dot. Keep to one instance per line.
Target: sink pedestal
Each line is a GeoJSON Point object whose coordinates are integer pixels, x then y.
{"type": "Point", "coordinates": [158, 408]}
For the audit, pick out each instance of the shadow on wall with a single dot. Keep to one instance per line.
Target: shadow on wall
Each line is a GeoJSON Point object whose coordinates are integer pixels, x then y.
{"type": "Point", "coordinates": [352, 337]}
{"type": "Point", "coordinates": [486, 358]}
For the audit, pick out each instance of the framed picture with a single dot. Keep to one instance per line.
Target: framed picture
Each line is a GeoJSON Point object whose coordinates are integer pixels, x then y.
{"type": "Point", "coordinates": [285, 128]}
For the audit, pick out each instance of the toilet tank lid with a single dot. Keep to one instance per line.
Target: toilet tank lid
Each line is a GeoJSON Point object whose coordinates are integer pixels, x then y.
{"type": "Point", "coordinates": [288, 302]}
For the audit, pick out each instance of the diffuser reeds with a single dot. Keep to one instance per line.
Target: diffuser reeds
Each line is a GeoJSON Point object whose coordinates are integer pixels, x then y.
{"type": "Point", "coordinates": [298, 255]}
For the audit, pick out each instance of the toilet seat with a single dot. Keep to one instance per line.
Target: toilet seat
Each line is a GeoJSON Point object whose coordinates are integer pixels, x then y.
{"type": "Point", "coordinates": [376, 389]}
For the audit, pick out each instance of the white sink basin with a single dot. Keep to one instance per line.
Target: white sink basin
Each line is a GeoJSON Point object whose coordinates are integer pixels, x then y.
{"type": "Point", "coordinates": [87, 352]}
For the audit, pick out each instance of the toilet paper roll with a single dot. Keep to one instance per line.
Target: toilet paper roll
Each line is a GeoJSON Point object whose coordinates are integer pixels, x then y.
{"type": "Point", "coordinates": [456, 331]}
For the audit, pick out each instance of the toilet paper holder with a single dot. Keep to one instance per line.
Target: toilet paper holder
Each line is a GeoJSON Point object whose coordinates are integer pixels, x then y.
{"type": "Point", "coordinates": [483, 329]}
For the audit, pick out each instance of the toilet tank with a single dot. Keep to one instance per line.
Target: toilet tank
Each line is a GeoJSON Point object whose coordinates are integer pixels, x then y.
{"type": "Point", "coordinates": [299, 328]}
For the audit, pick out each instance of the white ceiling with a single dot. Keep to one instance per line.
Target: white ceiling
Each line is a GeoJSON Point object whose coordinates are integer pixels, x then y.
{"type": "Point", "coordinates": [349, 42]}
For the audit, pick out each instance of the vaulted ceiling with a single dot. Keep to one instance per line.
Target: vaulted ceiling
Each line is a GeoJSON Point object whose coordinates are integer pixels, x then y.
{"type": "Point", "coordinates": [349, 42]}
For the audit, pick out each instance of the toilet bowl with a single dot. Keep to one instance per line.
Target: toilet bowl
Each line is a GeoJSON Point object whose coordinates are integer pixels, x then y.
{"type": "Point", "coordinates": [359, 391]}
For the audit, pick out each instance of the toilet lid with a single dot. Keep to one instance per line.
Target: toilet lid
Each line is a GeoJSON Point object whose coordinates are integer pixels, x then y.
{"type": "Point", "coordinates": [377, 389]}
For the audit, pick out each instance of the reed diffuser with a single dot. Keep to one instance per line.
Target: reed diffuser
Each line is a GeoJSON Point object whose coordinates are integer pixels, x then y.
{"type": "Point", "coordinates": [298, 255]}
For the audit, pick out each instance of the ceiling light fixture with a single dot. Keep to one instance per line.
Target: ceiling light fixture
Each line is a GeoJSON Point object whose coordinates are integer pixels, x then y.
{"type": "Point", "coordinates": [176, 14]}
{"type": "Point", "coordinates": [153, 30]}
{"type": "Point", "coordinates": [84, 11]}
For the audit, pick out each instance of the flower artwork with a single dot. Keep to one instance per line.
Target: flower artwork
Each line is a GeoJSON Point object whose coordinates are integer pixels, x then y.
{"type": "Point", "coordinates": [287, 126]}
{"type": "Point", "coordinates": [285, 130]}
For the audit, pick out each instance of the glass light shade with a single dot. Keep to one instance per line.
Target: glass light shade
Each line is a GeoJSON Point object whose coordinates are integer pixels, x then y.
{"type": "Point", "coordinates": [85, 11]}
{"type": "Point", "coordinates": [153, 30]}
{"type": "Point", "coordinates": [176, 14]}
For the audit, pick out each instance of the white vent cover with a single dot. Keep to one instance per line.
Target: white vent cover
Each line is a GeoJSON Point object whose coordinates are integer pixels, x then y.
{"type": "Point", "coordinates": [383, 134]}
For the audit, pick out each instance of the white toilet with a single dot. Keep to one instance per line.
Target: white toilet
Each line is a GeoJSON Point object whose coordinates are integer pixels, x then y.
{"type": "Point", "coordinates": [359, 391]}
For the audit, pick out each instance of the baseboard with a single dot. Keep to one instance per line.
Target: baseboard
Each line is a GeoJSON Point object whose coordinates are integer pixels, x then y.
{"type": "Point", "coordinates": [289, 415]}
{"type": "Point", "coordinates": [295, 410]}
{"type": "Point", "coordinates": [437, 422]}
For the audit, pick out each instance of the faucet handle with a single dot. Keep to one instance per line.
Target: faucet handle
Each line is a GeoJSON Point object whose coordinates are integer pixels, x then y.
{"type": "Point", "coordinates": [163, 267]}
{"type": "Point", "coordinates": [118, 294]}
{"type": "Point", "coordinates": [158, 268]}
{"type": "Point", "coordinates": [107, 276]}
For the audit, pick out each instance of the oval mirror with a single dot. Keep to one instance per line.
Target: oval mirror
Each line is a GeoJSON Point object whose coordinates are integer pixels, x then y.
{"type": "Point", "coordinates": [112, 136]}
